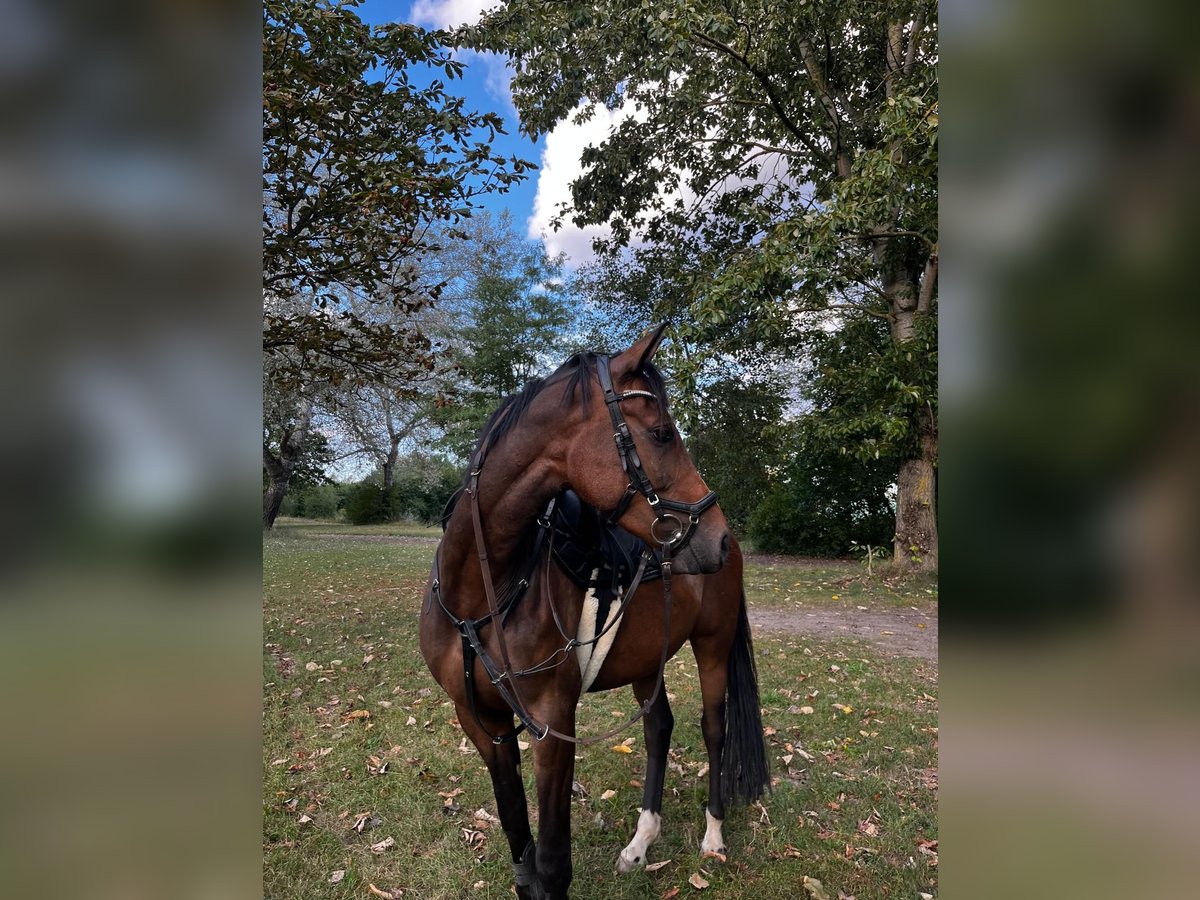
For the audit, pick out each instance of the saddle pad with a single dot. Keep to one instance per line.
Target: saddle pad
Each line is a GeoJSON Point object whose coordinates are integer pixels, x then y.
{"type": "Point", "coordinates": [601, 610]}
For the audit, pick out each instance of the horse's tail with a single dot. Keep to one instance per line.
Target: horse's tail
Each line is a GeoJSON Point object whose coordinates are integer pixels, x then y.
{"type": "Point", "coordinates": [744, 769]}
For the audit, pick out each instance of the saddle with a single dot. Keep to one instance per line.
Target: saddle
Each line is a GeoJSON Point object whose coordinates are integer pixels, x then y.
{"type": "Point", "coordinates": [584, 545]}
{"type": "Point", "coordinates": [593, 553]}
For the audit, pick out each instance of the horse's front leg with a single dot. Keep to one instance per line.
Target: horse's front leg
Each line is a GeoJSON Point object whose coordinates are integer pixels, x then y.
{"type": "Point", "coordinates": [554, 769]}
{"type": "Point", "coordinates": [504, 765]}
{"type": "Point", "coordinates": [711, 660]}
{"type": "Point", "coordinates": [657, 727]}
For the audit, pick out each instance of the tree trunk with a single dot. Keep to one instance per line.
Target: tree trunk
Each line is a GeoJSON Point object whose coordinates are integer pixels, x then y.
{"type": "Point", "coordinates": [277, 487]}
{"type": "Point", "coordinates": [916, 510]}
{"type": "Point", "coordinates": [389, 464]}
{"type": "Point", "coordinates": [916, 541]}
{"type": "Point", "coordinates": [280, 466]}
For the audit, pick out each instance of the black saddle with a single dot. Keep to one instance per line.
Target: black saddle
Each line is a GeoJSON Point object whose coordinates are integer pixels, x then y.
{"type": "Point", "coordinates": [583, 544]}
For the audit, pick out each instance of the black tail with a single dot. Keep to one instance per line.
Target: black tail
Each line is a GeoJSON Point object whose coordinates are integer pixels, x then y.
{"type": "Point", "coordinates": [744, 769]}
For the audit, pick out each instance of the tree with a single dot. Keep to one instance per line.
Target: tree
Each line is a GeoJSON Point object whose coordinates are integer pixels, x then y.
{"type": "Point", "coordinates": [364, 153]}
{"type": "Point", "coordinates": [505, 320]}
{"type": "Point", "coordinates": [292, 451]}
{"type": "Point", "coordinates": [777, 162]}
{"type": "Point", "coordinates": [736, 444]}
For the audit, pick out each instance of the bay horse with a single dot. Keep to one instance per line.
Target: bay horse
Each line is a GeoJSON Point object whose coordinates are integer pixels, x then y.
{"type": "Point", "coordinates": [499, 625]}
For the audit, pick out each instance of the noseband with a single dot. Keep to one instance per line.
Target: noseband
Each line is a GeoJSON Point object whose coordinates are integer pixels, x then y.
{"type": "Point", "coordinates": [667, 528]}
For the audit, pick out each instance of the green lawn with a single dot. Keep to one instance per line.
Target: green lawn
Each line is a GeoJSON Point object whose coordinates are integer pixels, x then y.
{"type": "Point", "coordinates": [855, 794]}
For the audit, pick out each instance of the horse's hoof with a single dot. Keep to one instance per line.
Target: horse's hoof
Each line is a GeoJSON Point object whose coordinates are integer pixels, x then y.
{"type": "Point", "coordinates": [627, 864]}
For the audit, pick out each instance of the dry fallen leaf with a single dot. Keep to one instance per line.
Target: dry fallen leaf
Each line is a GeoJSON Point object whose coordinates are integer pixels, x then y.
{"type": "Point", "coordinates": [815, 889]}
{"type": "Point", "coordinates": [806, 710]}
{"type": "Point", "coordinates": [608, 795]}
{"type": "Point", "coordinates": [713, 854]}
{"type": "Point", "coordinates": [386, 895]}
{"type": "Point", "coordinates": [383, 846]}
{"type": "Point", "coordinates": [358, 714]}
{"type": "Point", "coordinates": [336, 876]}
{"type": "Point", "coordinates": [670, 893]}
{"type": "Point", "coordinates": [411, 720]}
{"type": "Point", "coordinates": [304, 819]}
{"type": "Point", "coordinates": [621, 748]}
{"type": "Point", "coordinates": [697, 881]}
{"type": "Point", "coordinates": [654, 867]}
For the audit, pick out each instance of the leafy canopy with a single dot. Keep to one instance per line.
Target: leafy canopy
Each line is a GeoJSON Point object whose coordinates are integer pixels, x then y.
{"type": "Point", "coordinates": [364, 150]}
{"type": "Point", "coordinates": [774, 165]}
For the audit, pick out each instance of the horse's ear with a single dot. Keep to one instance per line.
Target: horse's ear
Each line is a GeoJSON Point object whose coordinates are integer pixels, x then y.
{"type": "Point", "coordinates": [643, 350]}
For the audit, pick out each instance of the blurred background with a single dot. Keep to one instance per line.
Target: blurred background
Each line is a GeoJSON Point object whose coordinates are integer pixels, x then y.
{"type": "Point", "coordinates": [130, 267]}
{"type": "Point", "coordinates": [1070, 490]}
{"type": "Point", "coordinates": [130, 209]}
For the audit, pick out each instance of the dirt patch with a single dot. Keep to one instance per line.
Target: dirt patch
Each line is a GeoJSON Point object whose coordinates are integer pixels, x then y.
{"type": "Point", "coordinates": [895, 630]}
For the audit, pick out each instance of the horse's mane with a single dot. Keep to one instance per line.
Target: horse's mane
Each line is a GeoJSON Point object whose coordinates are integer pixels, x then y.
{"type": "Point", "coordinates": [575, 374]}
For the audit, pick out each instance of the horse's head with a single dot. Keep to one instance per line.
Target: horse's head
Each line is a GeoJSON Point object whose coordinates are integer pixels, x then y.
{"type": "Point", "coordinates": [642, 472]}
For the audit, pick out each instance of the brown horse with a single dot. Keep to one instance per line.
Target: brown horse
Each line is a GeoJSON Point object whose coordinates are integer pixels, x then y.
{"type": "Point", "coordinates": [494, 595]}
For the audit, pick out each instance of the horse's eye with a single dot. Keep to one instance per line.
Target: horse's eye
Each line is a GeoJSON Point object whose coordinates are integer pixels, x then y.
{"type": "Point", "coordinates": [664, 434]}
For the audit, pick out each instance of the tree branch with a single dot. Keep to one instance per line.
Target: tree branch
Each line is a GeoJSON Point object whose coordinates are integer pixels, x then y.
{"type": "Point", "coordinates": [772, 96]}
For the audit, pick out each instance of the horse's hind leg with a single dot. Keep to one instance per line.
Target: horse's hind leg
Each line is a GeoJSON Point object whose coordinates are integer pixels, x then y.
{"type": "Point", "coordinates": [504, 765]}
{"type": "Point", "coordinates": [657, 726]}
{"type": "Point", "coordinates": [712, 656]}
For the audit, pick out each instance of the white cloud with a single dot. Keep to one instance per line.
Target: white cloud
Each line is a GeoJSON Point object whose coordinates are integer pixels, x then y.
{"type": "Point", "coordinates": [560, 166]}
{"type": "Point", "coordinates": [449, 13]}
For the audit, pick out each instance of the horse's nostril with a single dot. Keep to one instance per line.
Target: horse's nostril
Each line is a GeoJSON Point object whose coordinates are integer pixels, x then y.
{"type": "Point", "coordinates": [724, 547]}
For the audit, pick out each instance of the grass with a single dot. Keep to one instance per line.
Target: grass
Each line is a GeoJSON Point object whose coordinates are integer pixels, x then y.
{"type": "Point", "coordinates": [780, 582]}
{"type": "Point", "coordinates": [340, 626]}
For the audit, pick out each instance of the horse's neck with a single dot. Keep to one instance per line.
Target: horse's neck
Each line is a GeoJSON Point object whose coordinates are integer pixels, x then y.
{"type": "Point", "coordinates": [510, 500]}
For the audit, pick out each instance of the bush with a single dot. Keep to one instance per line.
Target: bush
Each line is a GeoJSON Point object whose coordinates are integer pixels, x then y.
{"type": "Point", "coordinates": [317, 502]}
{"type": "Point", "coordinates": [418, 494]}
{"type": "Point", "coordinates": [366, 504]}
{"type": "Point", "coordinates": [421, 496]}
{"type": "Point", "coordinates": [825, 502]}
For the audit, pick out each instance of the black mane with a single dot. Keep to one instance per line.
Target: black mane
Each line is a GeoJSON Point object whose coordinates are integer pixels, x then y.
{"type": "Point", "coordinates": [575, 373]}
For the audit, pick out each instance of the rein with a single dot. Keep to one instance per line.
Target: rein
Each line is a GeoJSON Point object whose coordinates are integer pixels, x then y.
{"type": "Point", "coordinates": [506, 680]}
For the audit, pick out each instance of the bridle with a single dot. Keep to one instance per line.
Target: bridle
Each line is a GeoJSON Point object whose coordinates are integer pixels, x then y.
{"type": "Point", "coordinates": [505, 680]}
{"type": "Point", "coordinates": [639, 481]}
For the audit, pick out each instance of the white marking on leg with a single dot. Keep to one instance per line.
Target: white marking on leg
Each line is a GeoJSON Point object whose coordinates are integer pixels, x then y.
{"type": "Point", "coordinates": [649, 827]}
{"type": "Point", "coordinates": [713, 842]}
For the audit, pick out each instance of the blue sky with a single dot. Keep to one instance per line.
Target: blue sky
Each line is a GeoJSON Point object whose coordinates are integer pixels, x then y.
{"type": "Point", "coordinates": [485, 88]}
